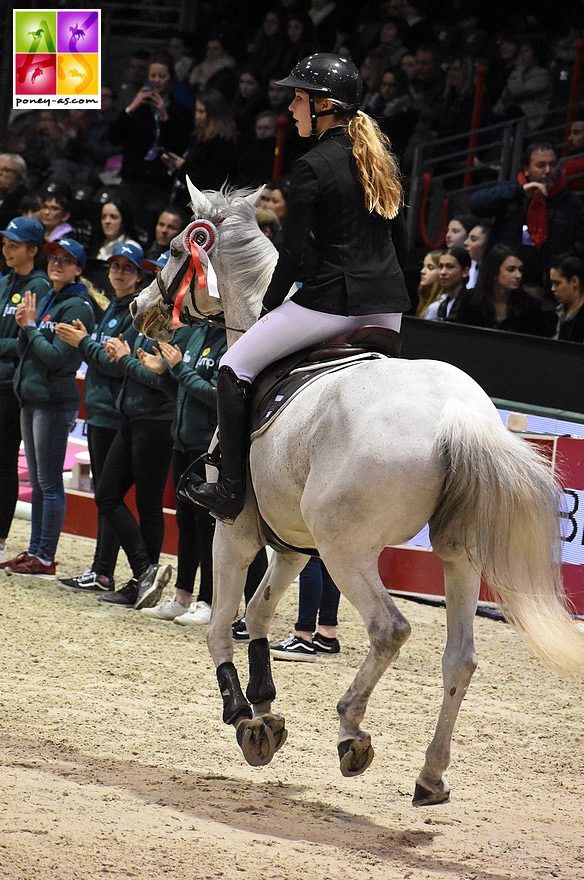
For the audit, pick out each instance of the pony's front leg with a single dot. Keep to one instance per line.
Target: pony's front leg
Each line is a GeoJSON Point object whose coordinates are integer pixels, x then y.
{"type": "Point", "coordinates": [233, 551]}
{"type": "Point", "coordinates": [261, 737]}
{"type": "Point", "coordinates": [388, 630]}
{"type": "Point", "coordinates": [458, 665]}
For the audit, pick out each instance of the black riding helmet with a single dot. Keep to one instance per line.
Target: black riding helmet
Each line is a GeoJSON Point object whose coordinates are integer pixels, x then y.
{"type": "Point", "coordinates": [327, 76]}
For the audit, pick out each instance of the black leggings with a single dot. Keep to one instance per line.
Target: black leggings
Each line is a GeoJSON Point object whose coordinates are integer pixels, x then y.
{"type": "Point", "coordinates": [9, 446]}
{"type": "Point", "coordinates": [196, 528]}
{"type": "Point", "coordinates": [107, 545]}
{"type": "Point", "coordinates": [139, 455]}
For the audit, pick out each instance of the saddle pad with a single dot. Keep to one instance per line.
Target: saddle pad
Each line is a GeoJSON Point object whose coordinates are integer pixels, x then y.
{"type": "Point", "coordinates": [280, 395]}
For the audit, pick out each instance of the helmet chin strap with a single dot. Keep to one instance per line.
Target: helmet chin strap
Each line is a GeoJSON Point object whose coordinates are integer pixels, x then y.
{"type": "Point", "coordinates": [314, 115]}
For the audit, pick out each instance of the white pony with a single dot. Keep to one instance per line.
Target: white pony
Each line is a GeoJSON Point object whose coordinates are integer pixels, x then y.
{"type": "Point", "coordinates": [359, 460]}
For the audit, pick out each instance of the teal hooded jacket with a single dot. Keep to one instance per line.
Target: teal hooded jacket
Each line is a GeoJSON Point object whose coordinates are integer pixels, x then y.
{"type": "Point", "coordinates": [103, 379]}
{"type": "Point", "coordinates": [12, 290]}
{"type": "Point", "coordinates": [45, 377]}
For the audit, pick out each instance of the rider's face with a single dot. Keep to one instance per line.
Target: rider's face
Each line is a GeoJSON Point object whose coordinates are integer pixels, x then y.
{"type": "Point", "coordinates": [300, 109]}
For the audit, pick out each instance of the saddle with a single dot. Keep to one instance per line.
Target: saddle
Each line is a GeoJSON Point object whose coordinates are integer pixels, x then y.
{"type": "Point", "coordinates": [366, 340]}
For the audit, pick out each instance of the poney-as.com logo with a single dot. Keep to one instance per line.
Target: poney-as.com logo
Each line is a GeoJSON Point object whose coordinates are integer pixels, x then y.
{"type": "Point", "coordinates": [56, 58]}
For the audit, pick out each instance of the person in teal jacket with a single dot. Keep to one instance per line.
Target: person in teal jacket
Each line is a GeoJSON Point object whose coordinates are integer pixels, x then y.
{"type": "Point", "coordinates": [45, 384]}
{"type": "Point", "coordinates": [103, 381]}
{"type": "Point", "coordinates": [139, 455]}
{"type": "Point", "coordinates": [192, 376]}
{"type": "Point", "coordinates": [21, 242]}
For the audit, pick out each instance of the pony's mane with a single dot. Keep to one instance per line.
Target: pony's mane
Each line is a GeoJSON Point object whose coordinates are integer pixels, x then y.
{"type": "Point", "coordinates": [243, 251]}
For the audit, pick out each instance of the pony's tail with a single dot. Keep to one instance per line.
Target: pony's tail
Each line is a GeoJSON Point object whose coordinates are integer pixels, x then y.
{"type": "Point", "coordinates": [501, 502]}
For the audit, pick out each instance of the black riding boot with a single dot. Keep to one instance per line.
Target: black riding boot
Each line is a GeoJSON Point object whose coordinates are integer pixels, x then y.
{"type": "Point", "coordinates": [225, 498]}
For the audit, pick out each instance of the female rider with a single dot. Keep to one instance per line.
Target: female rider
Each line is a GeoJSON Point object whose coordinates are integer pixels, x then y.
{"type": "Point", "coordinates": [337, 240]}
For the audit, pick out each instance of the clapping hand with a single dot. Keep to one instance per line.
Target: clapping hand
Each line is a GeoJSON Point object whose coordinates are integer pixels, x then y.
{"type": "Point", "coordinates": [116, 348]}
{"type": "Point", "coordinates": [171, 353]}
{"type": "Point", "coordinates": [152, 361]}
{"type": "Point", "coordinates": [72, 333]}
{"type": "Point", "coordinates": [26, 309]}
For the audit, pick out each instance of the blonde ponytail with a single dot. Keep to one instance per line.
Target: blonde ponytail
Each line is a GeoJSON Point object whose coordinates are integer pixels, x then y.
{"type": "Point", "coordinates": [377, 166]}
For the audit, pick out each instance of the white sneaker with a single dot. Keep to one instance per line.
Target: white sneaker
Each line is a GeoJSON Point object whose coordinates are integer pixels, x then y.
{"type": "Point", "coordinates": [198, 614]}
{"type": "Point", "coordinates": [167, 610]}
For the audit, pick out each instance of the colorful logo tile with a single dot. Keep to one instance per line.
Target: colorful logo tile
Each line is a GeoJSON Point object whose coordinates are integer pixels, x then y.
{"type": "Point", "coordinates": [57, 58]}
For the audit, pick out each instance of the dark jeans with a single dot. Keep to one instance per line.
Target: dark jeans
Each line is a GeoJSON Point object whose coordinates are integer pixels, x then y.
{"type": "Point", "coordinates": [139, 455]}
{"type": "Point", "coordinates": [107, 545]}
{"type": "Point", "coordinates": [9, 446]}
{"type": "Point", "coordinates": [45, 442]}
{"type": "Point", "coordinates": [318, 595]}
{"type": "Point", "coordinates": [196, 528]}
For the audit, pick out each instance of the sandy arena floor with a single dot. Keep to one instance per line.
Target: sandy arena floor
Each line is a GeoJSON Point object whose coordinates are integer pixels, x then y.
{"type": "Point", "coordinates": [115, 763]}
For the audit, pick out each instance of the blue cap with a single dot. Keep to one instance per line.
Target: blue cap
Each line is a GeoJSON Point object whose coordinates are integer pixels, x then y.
{"type": "Point", "coordinates": [160, 263]}
{"type": "Point", "coordinates": [26, 230]}
{"type": "Point", "coordinates": [130, 251]}
{"type": "Point", "coordinates": [73, 248]}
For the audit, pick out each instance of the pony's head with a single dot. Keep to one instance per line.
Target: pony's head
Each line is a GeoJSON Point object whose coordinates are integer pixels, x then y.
{"type": "Point", "coordinates": [220, 264]}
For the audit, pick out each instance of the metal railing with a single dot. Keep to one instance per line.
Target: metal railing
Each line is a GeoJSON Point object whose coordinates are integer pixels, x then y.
{"type": "Point", "coordinates": [439, 178]}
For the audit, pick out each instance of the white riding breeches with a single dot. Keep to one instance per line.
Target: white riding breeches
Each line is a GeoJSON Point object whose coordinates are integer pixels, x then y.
{"type": "Point", "coordinates": [287, 329]}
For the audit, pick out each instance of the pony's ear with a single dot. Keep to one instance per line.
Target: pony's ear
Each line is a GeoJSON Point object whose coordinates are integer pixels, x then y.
{"type": "Point", "coordinates": [254, 198]}
{"type": "Point", "coordinates": [199, 202]}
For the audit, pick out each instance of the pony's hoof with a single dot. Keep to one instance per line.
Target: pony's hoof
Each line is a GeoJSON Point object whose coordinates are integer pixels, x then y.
{"type": "Point", "coordinates": [277, 724]}
{"type": "Point", "coordinates": [356, 755]}
{"type": "Point", "coordinates": [425, 798]}
{"type": "Point", "coordinates": [256, 741]}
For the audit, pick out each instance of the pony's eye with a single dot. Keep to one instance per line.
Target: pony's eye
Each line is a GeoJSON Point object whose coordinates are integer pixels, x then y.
{"type": "Point", "coordinates": [175, 252]}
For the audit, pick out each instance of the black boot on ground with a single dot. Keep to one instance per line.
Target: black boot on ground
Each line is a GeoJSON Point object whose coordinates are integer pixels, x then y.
{"type": "Point", "coordinates": [224, 499]}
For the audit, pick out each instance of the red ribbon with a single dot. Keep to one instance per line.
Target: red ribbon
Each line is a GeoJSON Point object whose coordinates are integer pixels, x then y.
{"type": "Point", "coordinates": [194, 265]}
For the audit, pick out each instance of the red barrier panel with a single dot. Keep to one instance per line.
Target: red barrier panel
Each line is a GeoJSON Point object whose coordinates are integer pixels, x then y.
{"type": "Point", "coordinates": [423, 214]}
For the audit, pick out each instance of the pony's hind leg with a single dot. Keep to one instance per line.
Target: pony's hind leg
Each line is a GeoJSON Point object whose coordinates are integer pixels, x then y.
{"type": "Point", "coordinates": [359, 581]}
{"type": "Point", "coordinates": [461, 585]}
{"type": "Point", "coordinates": [263, 735]}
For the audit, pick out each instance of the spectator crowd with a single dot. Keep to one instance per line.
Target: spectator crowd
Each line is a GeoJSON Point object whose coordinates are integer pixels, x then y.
{"type": "Point", "coordinates": [91, 199]}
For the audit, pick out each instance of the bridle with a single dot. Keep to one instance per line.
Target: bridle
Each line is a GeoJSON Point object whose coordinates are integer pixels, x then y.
{"type": "Point", "coordinates": [200, 235]}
